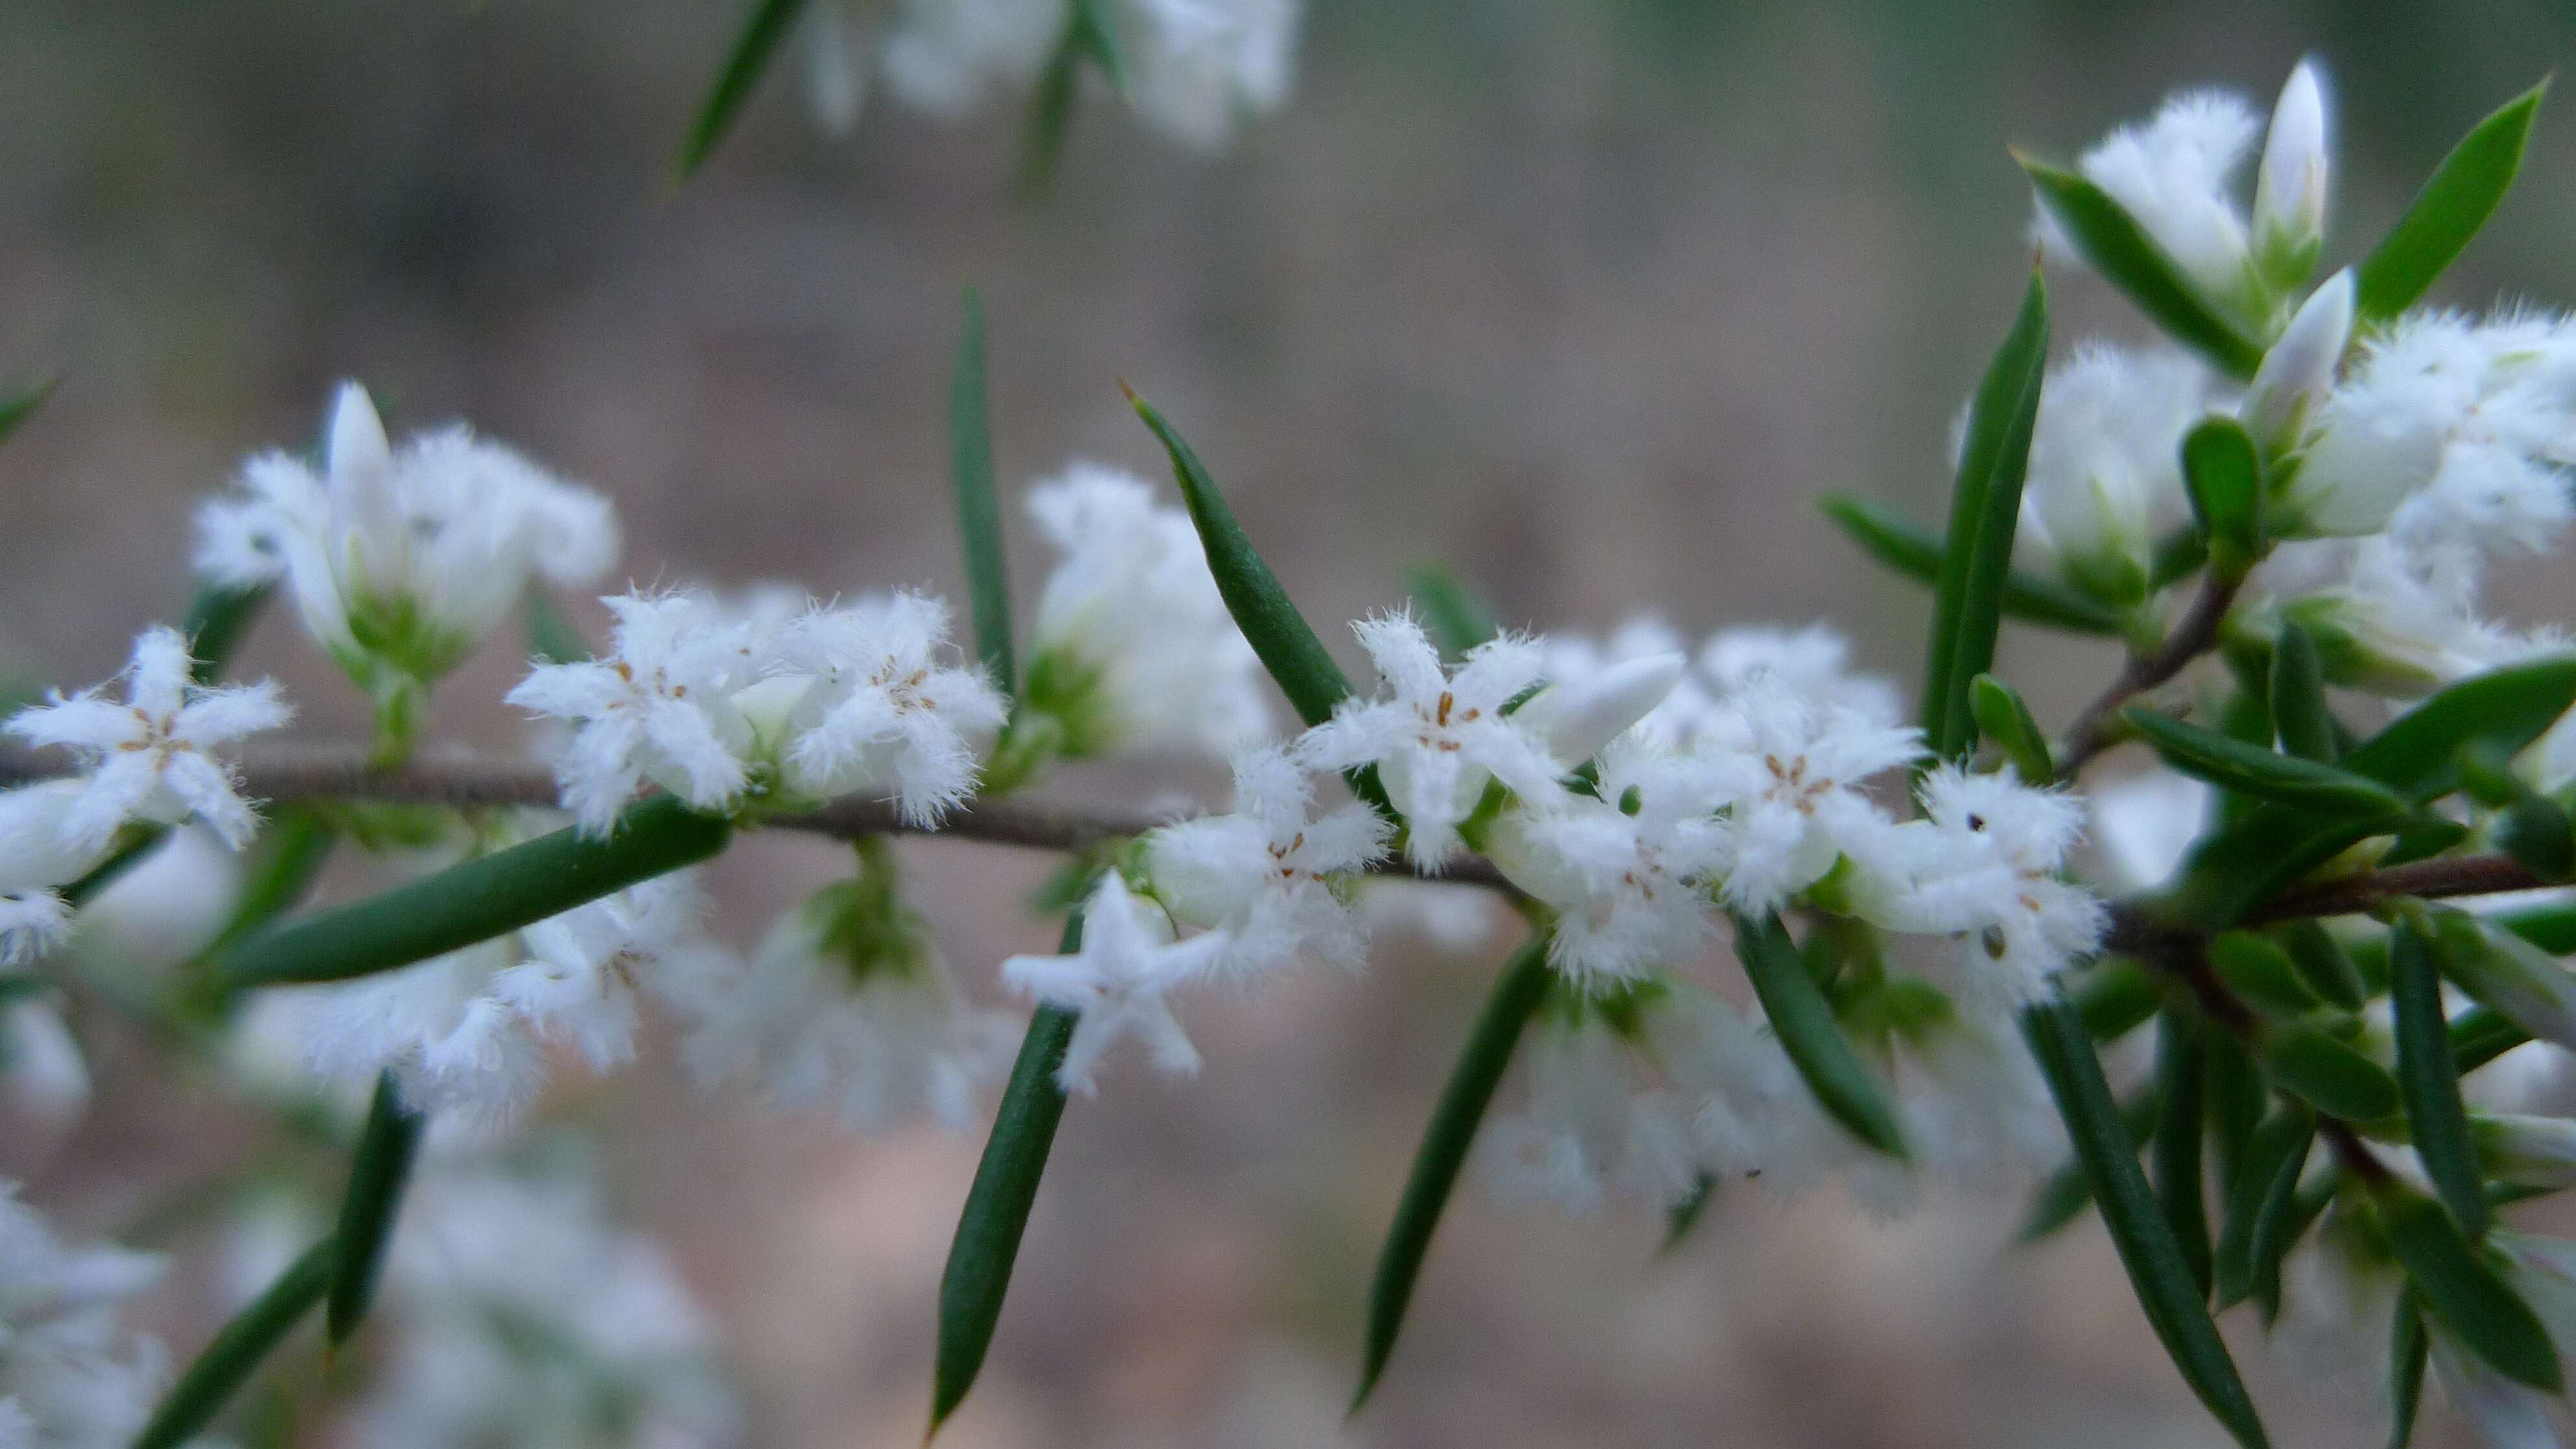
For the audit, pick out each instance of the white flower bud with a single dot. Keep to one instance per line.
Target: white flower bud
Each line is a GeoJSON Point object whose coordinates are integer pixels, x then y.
{"type": "Point", "coordinates": [2299, 371]}
{"type": "Point", "coordinates": [1578, 720]}
{"type": "Point", "coordinates": [358, 476]}
{"type": "Point", "coordinates": [2290, 190]}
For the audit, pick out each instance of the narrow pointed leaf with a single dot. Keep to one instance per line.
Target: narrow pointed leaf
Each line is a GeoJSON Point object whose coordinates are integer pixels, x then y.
{"type": "Point", "coordinates": [1804, 1023]}
{"type": "Point", "coordinates": [2463, 1292]}
{"type": "Point", "coordinates": [2408, 1348]}
{"type": "Point", "coordinates": [764, 28]}
{"type": "Point", "coordinates": [1452, 614]}
{"type": "Point", "coordinates": [281, 868]}
{"type": "Point", "coordinates": [1683, 1216]}
{"type": "Point", "coordinates": [2481, 1034]}
{"type": "Point", "coordinates": [477, 899]}
{"type": "Point", "coordinates": [107, 872]}
{"type": "Point", "coordinates": [1443, 1152]}
{"type": "Point", "coordinates": [2224, 476]}
{"type": "Point", "coordinates": [2430, 1078]}
{"type": "Point", "coordinates": [378, 1172]}
{"type": "Point", "coordinates": [979, 508]}
{"type": "Point", "coordinates": [996, 1215]}
{"type": "Point", "coordinates": [1096, 32]}
{"type": "Point", "coordinates": [2454, 204]}
{"type": "Point", "coordinates": [1910, 549]}
{"type": "Point", "coordinates": [2262, 1190]}
{"type": "Point", "coordinates": [2298, 691]}
{"type": "Point", "coordinates": [2130, 260]}
{"type": "Point", "coordinates": [552, 639]}
{"type": "Point", "coordinates": [218, 620]}
{"type": "Point", "coordinates": [2247, 769]}
{"type": "Point", "coordinates": [1985, 507]}
{"type": "Point", "coordinates": [2174, 1154]}
{"type": "Point", "coordinates": [2005, 718]}
{"type": "Point", "coordinates": [1050, 119]}
{"type": "Point", "coordinates": [2330, 1074]}
{"type": "Point", "coordinates": [2323, 964]}
{"type": "Point", "coordinates": [2155, 1263]}
{"type": "Point", "coordinates": [2116, 996]}
{"type": "Point", "coordinates": [2067, 1192]}
{"type": "Point", "coordinates": [237, 1351]}
{"type": "Point", "coordinates": [18, 406]}
{"type": "Point", "coordinates": [2261, 972]}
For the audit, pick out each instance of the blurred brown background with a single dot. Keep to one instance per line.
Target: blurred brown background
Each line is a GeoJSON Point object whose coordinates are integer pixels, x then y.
{"type": "Point", "coordinates": [1588, 298]}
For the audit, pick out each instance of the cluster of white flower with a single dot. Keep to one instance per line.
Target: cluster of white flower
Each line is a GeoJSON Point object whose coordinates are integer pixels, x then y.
{"type": "Point", "coordinates": [70, 1376]}
{"type": "Point", "coordinates": [1195, 69]}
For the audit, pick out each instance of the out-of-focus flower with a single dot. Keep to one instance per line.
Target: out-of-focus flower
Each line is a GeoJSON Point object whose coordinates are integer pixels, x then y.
{"type": "Point", "coordinates": [1273, 875]}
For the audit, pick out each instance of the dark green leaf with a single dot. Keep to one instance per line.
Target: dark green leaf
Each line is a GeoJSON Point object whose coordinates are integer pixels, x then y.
{"type": "Point", "coordinates": [126, 856]}
{"type": "Point", "coordinates": [1985, 508]}
{"type": "Point", "coordinates": [16, 407]}
{"type": "Point", "coordinates": [2224, 475]}
{"type": "Point", "coordinates": [2323, 964]}
{"type": "Point", "coordinates": [1050, 119]}
{"type": "Point", "coordinates": [979, 509]}
{"type": "Point", "coordinates": [2003, 717]}
{"type": "Point", "coordinates": [280, 869]}
{"type": "Point", "coordinates": [2115, 996]}
{"type": "Point", "coordinates": [2463, 1292]}
{"type": "Point", "coordinates": [218, 618]}
{"type": "Point", "coordinates": [2067, 1191]}
{"type": "Point", "coordinates": [1443, 1152]}
{"type": "Point", "coordinates": [1910, 549]}
{"type": "Point", "coordinates": [2157, 1269]}
{"type": "Point", "coordinates": [2174, 1154]}
{"type": "Point", "coordinates": [2463, 192]}
{"type": "Point", "coordinates": [2408, 1348]}
{"type": "Point", "coordinates": [764, 29]}
{"type": "Point", "coordinates": [2251, 770]}
{"type": "Point", "coordinates": [2130, 260]}
{"type": "Point", "coordinates": [1455, 618]}
{"type": "Point", "coordinates": [1804, 1022]}
{"type": "Point", "coordinates": [2430, 1079]}
{"type": "Point", "coordinates": [2258, 1202]}
{"type": "Point", "coordinates": [2261, 972]}
{"type": "Point", "coordinates": [2238, 1098]}
{"type": "Point", "coordinates": [1683, 1216]}
{"type": "Point", "coordinates": [2330, 1074]}
{"type": "Point", "coordinates": [997, 1206]}
{"type": "Point", "coordinates": [477, 899]}
{"type": "Point", "coordinates": [2481, 1034]}
{"type": "Point", "coordinates": [552, 639]}
{"type": "Point", "coordinates": [377, 1174]}
{"type": "Point", "coordinates": [2298, 692]}
{"type": "Point", "coordinates": [236, 1352]}
{"type": "Point", "coordinates": [2535, 831]}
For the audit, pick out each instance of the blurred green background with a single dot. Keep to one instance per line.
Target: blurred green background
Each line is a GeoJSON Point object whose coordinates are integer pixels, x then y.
{"type": "Point", "coordinates": [1588, 298]}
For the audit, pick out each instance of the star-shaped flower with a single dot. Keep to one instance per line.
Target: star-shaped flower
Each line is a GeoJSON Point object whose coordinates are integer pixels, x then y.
{"type": "Point", "coordinates": [1789, 770]}
{"type": "Point", "coordinates": [885, 714]}
{"type": "Point", "coordinates": [1266, 874]}
{"type": "Point", "coordinates": [1117, 980]}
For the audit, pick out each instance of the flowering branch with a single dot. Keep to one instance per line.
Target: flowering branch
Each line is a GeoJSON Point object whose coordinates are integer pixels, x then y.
{"type": "Point", "coordinates": [2195, 634]}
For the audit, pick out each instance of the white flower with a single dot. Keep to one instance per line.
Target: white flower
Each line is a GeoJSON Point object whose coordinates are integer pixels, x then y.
{"type": "Point", "coordinates": [1436, 739]}
{"type": "Point", "coordinates": [1574, 661]}
{"type": "Point", "coordinates": [1598, 1119]}
{"type": "Point", "coordinates": [2174, 175]}
{"type": "Point", "coordinates": [1271, 876]}
{"type": "Point", "coordinates": [1578, 718]}
{"type": "Point", "coordinates": [1629, 874]}
{"type": "Point", "coordinates": [149, 754]}
{"type": "Point", "coordinates": [2383, 624]}
{"type": "Point", "coordinates": [161, 911]}
{"type": "Point", "coordinates": [1133, 647]}
{"type": "Point", "coordinates": [1790, 773]}
{"type": "Point", "coordinates": [659, 706]}
{"type": "Point", "coordinates": [946, 56]}
{"type": "Point", "coordinates": [403, 557]}
{"type": "Point", "coordinates": [2298, 372]}
{"type": "Point", "coordinates": [2451, 433]}
{"type": "Point", "coordinates": [2105, 464]}
{"type": "Point", "coordinates": [1117, 980]}
{"type": "Point", "coordinates": [1983, 867]}
{"type": "Point", "coordinates": [884, 714]}
{"type": "Point", "coordinates": [2291, 188]}
{"type": "Point", "coordinates": [1813, 661]}
{"type": "Point", "coordinates": [69, 1377]}
{"type": "Point", "coordinates": [517, 1311]}
{"type": "Point", "coordinates": [875, 1042]}
{"type": "Point", "coordinates": [584, 969]}
{"type": "Point", "coordinates": [1202, 65]}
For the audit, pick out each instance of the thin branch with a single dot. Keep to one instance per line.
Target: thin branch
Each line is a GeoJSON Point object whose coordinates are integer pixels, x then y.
{"type": "Point", "coordinates": [2194, 634]}
{"type": "Point", "coordinates": [2462, 875]}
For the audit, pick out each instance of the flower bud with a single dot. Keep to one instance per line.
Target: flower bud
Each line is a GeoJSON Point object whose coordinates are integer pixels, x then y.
{"type": "Point", "coordinates": [2290, 190]}
{"type": "Point", "coordinates": [2527, 1151]}
{"type": "Point", "coordinates": [359, 476]}
{"type": "Point", "coordinates": [2299, 370]}
{"type": "Point", "coordinates": [2529, 987]}
{"type": "Point", "coordinates": [1578, 720]}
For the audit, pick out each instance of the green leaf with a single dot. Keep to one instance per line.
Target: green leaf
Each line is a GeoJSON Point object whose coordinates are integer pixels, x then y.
{"type": "Point", "coordinates": [1683, 1216]}
{"type": "Point", "coordinates": [2174, 1154]}
{"type": "Point", "coordinates": [1985, 507]}
{"type": "Point", "coordinates": [476, 899]}
{"type": "Point", "coordinates": [2003, 717]}
{"type": "Point", "coordinates": [106, 873]}
{"type": "Point", "coordinates": [1097, 35]}
{"type": "Point", "coordinates": [1443, 1152]}
{"type": "Point", "coordinates": [2115, 996]}
{"type": "Point", "coordinates": [552, 639]}
{"type": "Point", "coordinates": [18, 406]}
{"type": "Point", "coordinates": [2130, 260]}
{"type": "Point", "coordinates": [2067, 1191]}
{"type": "Point", "coordinates": [1804, 1022]}
{"type": "Point", "coordinates": [2251, 1239]}
{"type": "Point", "coordinates": [218, 618]}
{"type": "Point", "coordinates": [2536, 832]}
{"type": "Point", "coordinates": [2298, 691]}
{"type": "Point", "coordinates": [2481, 1034]}
{"type": "Point", "coordinates": [2408, 1348]}
{"type": "Point", "coordinates": [754, 47]}
{"type": "Point", "coordinates": [2324, 967]}
{"type": "Point", "coordinates": [2252, 770]}
{"type": "Point", "coordinates": [279, 870]}
{"type": "Point", "coordinates": [2224, 475]}
{"type": "Point", "coordinates": [1452, 614]}
{"type": "Point", "coordinates": [2261, 972]}
{"type": "Point", "coordinates": [2463, 192]}
{"type": "Point", "coordinates": [1910, 549]}
{"type": "Point", "coordinates": [2430, 1079]}
{"type": "Point", "coordinates": [979, 510]}
{"type": "Point", "coordinates": [997, 1205]}
{"type": "Point", "coordinates": [2330, 1074]}
{"type": "Point", "coordinates": [229, 1361]}
{"type": "Point", "coordinates": [2463, 1292]}
{"type": "Point", "coordinates": [2157, 1269]}
{"type": "Point", "coordinates": [378, 1173]}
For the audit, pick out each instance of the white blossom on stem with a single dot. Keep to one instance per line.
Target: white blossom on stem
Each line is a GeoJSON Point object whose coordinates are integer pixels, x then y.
{"type": "Point", "coordinates": [886, 712]}
{"type": "Point", "coordinates": [2176, 176]}
{"type": "Point", "coordinates": [586, 969]}
{"type": "Point", "coordinates": [1118, 980]}
{"type": "Point", "coordinates": [1574, 661]}
{"type": "Point", "coordinates": [2105, 464]}
{"type": "Point", "coordinates": [1203, 65]}
{"type": "Point", "coordinates": [1791, 773]}
{"type": "Point", "coordinates": [1983, 866]}
{"type": "Point", "coordinates": [2291, 188]}
{"type": "Point", "coordinates": [70, 1377]}
{"type": "Point", "coordinates": [1437, 738]}
{"type": "Point", "coordinates": [1813, 661]}
{"type": "Point", "coordinates": [1630, 873]}
{"type": "Point", "coordinates": [1598, 1120]}
{"type": "Point", "coordinates": [1272, 876]}
{"type": "Point", "coordinates": [149, 756]}
{"type": "Point", "coordinates": [457, 1052]}
{"type": "Point", "coordinates": [945, 57]}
